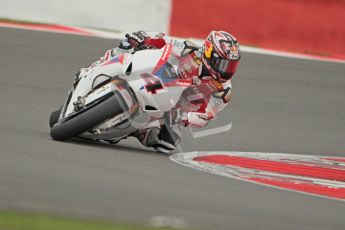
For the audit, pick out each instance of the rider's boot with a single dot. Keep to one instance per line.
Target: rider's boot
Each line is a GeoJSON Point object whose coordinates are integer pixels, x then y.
{"type": "Point", "coordinates": [161, 139]}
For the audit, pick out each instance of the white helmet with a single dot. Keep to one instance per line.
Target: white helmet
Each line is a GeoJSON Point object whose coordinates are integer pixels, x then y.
{"type": "Point", "coordinates": [221, 55]}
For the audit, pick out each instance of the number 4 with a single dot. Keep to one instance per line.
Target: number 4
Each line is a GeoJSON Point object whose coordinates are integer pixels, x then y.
{"type": "Point", "coordinates": [153, 83]}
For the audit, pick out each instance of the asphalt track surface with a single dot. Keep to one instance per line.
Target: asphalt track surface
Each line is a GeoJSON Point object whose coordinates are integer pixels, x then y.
{"type": "Point", "coordinates": [280, 105]}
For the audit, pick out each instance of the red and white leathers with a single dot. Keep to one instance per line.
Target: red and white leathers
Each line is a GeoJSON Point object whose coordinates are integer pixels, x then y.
{"type": "Point", "coordinates": [198, 104]}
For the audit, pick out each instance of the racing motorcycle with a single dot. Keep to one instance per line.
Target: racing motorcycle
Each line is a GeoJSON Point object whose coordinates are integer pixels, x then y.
{"type": "Point", "coordinates": [116, 98]}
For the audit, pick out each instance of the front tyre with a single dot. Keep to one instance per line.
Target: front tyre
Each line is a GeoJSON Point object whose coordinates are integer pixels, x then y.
{"type": "Point", "coordinates": [54, 117]}
{"type": "Point", "coordinates": [87, 120]}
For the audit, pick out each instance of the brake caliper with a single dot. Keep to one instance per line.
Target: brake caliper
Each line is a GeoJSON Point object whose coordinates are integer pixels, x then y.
{"type": "Point", "coordinates": [79, 104]}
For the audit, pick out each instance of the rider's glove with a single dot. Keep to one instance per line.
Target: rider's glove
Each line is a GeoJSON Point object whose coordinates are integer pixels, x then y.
{"type": "Point", "coordinates": [125, 47]}
{"type": "Point", "coordinates": [137, 39]}
{"type": "Point", "coordinates": [206, 116]}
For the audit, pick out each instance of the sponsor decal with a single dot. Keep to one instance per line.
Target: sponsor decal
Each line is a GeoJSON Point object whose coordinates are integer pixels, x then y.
{"type": "Point", "coordinates": [217, 84]}
{"type": "Point", "coordinates": [197, 60]}
{"type": "Point", "coordinates": [232, 51]}
{"type": "Point", "coordinates": [164, 58]}
{"type": "Point", "coordinates": [160, 35]}
{"type": "Point", "coordinates": [208, 49]}
{"type": "Point", "coordinates": [153, 83]}
{"type": "Point", "coordinates": [116, 59]}
{"type": "Point", "coordinates": [103, 89]}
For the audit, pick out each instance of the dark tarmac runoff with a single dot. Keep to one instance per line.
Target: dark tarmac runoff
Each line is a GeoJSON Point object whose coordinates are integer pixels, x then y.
{"type": "Point", "coordinates": [279, 105]}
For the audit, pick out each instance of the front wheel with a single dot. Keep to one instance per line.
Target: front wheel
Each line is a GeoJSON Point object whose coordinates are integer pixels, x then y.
{"type": "Point", "coordinates": [87, 120]}
{"type": "Point", "coordinates": [54, 117]}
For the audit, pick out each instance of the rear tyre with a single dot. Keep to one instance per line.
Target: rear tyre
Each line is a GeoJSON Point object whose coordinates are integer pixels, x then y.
{"type": "Point", "coordinates": [54, 117]}
{"type": "Point", "coordinates": [87, 120]}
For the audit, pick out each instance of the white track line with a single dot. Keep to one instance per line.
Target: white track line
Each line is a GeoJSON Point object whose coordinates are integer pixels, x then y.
{"type": "Point", "coordinates": [120, 35]}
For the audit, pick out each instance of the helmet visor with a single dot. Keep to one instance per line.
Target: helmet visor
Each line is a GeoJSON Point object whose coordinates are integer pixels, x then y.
{"type": "Point", "coordinates": [226, 68]}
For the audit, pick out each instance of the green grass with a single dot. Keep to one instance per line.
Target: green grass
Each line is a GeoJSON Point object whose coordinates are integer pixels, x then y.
{"type": "Point", "coordinates": [21, 221]}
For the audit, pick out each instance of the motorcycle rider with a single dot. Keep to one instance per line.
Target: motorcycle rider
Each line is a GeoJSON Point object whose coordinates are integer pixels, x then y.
{"type": "Point", "coordinates": [211, 68]}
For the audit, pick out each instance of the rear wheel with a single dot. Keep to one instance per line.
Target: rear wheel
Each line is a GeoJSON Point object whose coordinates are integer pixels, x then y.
{"type": "Point", "coordinates": [87, 120]}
